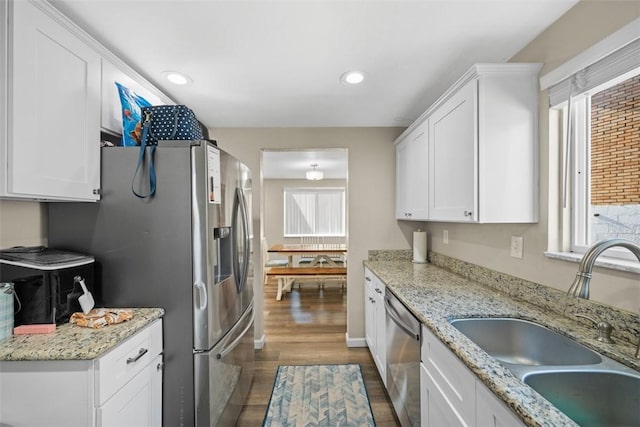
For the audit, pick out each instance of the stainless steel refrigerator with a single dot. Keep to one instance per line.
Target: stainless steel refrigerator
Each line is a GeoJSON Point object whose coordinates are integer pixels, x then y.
{"type": "Point", "coordinates": [187, 249]}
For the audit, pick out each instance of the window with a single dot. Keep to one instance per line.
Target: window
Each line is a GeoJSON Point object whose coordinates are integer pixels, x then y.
{"type": "Point", "coordinates": [601, 137]}
{"type": "Point", "coordinates": [314, 212]}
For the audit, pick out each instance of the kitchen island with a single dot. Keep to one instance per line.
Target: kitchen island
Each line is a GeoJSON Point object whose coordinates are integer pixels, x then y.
{"type": "Point", "coordinates": [447, 289]}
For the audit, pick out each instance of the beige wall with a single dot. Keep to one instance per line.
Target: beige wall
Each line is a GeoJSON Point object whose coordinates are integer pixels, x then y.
{"type": "Point", "coordinates": [371, 194]}
{"type": "Point", "coordinates": [22, 223]}
{"type": "Point", "coordinates": [488, 245]}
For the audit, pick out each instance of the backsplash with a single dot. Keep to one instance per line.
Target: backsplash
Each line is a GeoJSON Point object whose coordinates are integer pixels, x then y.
{"type": "Point", "coordinates": [626, 324]}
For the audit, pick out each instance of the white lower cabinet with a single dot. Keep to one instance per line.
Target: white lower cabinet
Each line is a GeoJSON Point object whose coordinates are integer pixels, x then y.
{"type": "Point", "coordinates": [450, 394]}
{"type": "Point", "coordinates": [376, 322]}
{"type": "Point", "coordinates": [121, 388]}
{"type": "Point", "coordinates": [492, 412]}
{"type": "Point", "coordinates": [138, 403]}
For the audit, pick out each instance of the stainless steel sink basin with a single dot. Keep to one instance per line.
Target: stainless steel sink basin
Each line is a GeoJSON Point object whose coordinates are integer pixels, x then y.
{"type": "Point", "coordinates": [591, 398]}
{"type": "Point", "coordinates": [521, 342]}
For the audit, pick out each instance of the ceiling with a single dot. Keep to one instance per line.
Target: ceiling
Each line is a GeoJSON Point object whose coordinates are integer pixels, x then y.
{"type": "Point", "coordinates": [270, 63]}
{"type": "Point", "coordinates": [293, 164]}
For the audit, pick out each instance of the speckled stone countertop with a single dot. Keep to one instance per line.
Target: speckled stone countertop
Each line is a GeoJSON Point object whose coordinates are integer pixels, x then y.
{"type": "Point", "coordinates": [435, 295]}
{"type": "Point", "coordinates": [73, 342]}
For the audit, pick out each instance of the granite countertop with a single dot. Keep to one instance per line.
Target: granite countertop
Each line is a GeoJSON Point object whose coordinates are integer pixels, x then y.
{"type": "Point", "coordinates": [73, 342]}
{"type": "Point", "coordinates": [436, 295]}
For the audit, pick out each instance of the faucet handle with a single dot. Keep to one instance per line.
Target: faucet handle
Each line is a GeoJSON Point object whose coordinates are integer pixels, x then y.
{"type": "Point", "coordinates": [604, 329]}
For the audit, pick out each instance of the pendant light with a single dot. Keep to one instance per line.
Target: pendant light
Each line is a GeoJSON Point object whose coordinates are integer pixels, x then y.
{"type": "Point", "coordinates": [314, 174]}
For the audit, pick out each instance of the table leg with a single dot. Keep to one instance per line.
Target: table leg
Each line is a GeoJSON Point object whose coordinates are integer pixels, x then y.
{"type": "Point", "coordinates": [280, 286]}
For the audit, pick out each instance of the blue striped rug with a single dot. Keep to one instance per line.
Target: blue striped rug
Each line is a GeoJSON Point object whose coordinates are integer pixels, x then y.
{"type": "Point", "coordinates": [319, 395]}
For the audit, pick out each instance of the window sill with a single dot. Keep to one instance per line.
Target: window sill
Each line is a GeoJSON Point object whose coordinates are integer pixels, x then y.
{"type": "Point", "coordinates": [602, 261]}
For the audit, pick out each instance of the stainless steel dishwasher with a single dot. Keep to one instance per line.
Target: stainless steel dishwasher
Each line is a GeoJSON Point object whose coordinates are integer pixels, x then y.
{"type": "Point", "coordinates": [403, 360]}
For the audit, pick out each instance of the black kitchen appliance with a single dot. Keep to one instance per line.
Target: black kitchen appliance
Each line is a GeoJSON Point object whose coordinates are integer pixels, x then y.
{"type": "Point", "coordinates": [44, 285]}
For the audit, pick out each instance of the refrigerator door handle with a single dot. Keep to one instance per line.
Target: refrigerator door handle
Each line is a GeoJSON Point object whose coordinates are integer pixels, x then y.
{"type": "Point", "coordinates": [247, 238]}
{"type": "Point", "coordinates": [202, 299]}
{"type": "Point", "coordinates": [240, 271]}
{"type": "Point", "coordinates": [228, 349]}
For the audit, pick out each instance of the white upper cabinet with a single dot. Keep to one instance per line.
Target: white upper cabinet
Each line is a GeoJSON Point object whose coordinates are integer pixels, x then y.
{"type": "Point", "coordinates": [411, 175]}
{"type": "Point", "coordinates": [482, 150]}
{"type": "Point", "coordinates": [483, 147]}
{"type": "Point", "coordinates": [57, 92]}
{"type": "Point", "coordinates": [51, 141]}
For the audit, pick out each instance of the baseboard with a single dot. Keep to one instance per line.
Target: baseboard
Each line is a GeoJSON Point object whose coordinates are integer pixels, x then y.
{"type": "Point", "coordinates": [259, 343]}
{"type": "Point", "coordinates": [355, 342]}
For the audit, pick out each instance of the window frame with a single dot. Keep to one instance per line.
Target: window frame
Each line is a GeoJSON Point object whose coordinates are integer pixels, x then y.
{"type": "Point", "coordinates": [579, 180]}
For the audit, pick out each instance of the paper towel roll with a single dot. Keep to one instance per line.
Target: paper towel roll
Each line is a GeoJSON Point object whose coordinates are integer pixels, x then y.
{"type": "Point", "coordinates": [419, 246]}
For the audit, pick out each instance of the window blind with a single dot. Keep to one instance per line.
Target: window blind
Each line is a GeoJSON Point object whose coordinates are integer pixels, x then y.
{"type": "Point", "coordinates": [314, 212]}
{"type": "Point", "coordinates": [614, 65]}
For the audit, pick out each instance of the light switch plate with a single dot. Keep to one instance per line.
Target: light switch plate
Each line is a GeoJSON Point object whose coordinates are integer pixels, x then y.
{"type": "Point", "coordinates": [517, 243]}
{"type": "Point", "coordinates": [445, 237]}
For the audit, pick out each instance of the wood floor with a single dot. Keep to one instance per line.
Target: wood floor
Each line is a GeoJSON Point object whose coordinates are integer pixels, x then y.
{"type": "Point", "coordinates": [306, 327]}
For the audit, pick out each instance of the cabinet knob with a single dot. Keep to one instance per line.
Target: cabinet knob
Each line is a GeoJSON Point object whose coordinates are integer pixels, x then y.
{"type": "Point", "coordinates": [468, 213]}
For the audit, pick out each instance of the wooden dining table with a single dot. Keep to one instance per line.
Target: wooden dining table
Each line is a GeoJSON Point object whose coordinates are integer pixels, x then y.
{"type": "Point", "coordinates": [322, 251]}
{"type": "Point", "coordinates": [322, 267]}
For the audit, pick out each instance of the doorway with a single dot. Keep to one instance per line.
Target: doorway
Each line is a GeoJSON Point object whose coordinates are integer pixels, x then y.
{"type": "Point", "coordinates": [304, 201]}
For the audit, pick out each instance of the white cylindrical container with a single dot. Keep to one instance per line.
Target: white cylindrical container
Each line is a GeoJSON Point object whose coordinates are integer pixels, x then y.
{"type": "Point", "coordinates": [419, 246]}
{"type": "Point", "coordinates": [6, 310]}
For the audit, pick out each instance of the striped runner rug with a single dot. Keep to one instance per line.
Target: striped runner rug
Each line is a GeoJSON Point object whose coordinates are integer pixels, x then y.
{"type": "Point", "coordinates": [319, 395]}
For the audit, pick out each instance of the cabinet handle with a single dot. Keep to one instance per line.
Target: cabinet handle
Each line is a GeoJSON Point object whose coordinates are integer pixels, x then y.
{"type": "Point", "coordinates": [368, 279]}
{"type": "Point", "coordinates": [159, 366]}
{"type": "Point", "coordinates": [137, 357]}
{"type": "Point", "coordinates": [378, 290]}
{"type": "Point", "coordinates": [96, 191]}
{"type": "Point", "coordinates": [468, 213]}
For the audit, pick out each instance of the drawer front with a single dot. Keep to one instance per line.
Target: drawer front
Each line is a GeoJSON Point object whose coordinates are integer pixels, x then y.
{"type": "Point", "coordinates": [120, 365]}
{"type": "Point", "coordinates": [452, 377]}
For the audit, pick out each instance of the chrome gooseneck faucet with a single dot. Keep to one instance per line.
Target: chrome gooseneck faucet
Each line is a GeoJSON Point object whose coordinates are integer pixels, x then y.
{"type": "Point", "coordinates": [580, 286]}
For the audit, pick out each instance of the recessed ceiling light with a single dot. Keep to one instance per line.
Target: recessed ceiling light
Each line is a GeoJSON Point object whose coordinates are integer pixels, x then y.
{"type": "Point", "coordinates": [353, 77]}
{"type": "Point", "coordinates": [177, 78]}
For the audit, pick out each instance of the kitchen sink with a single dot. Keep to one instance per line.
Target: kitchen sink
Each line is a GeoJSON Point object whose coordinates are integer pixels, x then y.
{"type": "Point", "coordinates": [600, 398]}
{"type": "Point", "coordinates": [520, 342]}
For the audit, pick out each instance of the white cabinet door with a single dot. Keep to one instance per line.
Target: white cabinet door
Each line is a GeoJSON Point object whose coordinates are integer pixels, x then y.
{"type": "Point", "coordinates": [402, 179]}
{"type": "Point", "coordinates": [380, 325]}
{"type": "Point", "coordinates": [53, 143]}
{"type": "Point", "coordinates": [453, 145]}
{"type": "Point", "coordinates": [435, 409]}
{"type": "Point", "coordinates": [376, 322]}
{"type": "Point", "coordinates": [369, 313]}
{"type": "Point", "coordinates": [491, 412]}
{"type": "Point", "coordinates": [138, 403]}
{"type": "Point", "coordinates": [411, 175]}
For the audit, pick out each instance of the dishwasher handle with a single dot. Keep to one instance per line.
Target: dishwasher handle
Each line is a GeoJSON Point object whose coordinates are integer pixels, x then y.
{"type": "Point", "coordinates": [393, 314]}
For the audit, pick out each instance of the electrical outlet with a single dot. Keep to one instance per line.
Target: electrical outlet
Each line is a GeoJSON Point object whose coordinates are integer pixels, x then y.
{"type": "Point", "coordinates": [516, 246]}
{"type": "Point", "coordinates": [445, 237]}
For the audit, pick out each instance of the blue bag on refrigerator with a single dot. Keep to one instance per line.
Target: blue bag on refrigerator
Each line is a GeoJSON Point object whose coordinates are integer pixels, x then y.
{"type": "Point", "coordinates": [131, 115]}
